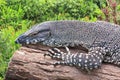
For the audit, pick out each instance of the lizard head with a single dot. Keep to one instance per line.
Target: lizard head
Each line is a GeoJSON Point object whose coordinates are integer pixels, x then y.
{"type": "Point", "coordinates": [36, 34]}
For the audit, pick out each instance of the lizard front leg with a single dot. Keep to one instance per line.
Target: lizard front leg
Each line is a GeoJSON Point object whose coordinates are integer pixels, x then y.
{"type": "Point", "coordinates": [91, 60]}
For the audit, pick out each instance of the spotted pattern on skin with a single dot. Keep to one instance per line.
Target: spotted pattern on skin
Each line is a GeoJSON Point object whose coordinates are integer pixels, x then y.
{"type": "Point", "coordinates": [90, 61]}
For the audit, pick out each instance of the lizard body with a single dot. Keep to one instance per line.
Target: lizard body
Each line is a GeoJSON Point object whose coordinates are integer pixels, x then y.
{"type": "Point", "coordinates": [102, 39]}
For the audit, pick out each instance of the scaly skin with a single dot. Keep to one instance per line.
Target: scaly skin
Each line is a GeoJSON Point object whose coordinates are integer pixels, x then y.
{"type": "Point", "coordinates": [102, 39]}
{"type": "Point", "coordinates": [88, 62]}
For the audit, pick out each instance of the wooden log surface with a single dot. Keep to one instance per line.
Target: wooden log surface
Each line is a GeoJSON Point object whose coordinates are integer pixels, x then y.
{"type": "Point", "coordinates": [28, 63]}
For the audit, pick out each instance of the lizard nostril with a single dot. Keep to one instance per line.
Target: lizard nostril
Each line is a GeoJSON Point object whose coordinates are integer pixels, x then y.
{"type": "Point", "coordinates": [16, 41]}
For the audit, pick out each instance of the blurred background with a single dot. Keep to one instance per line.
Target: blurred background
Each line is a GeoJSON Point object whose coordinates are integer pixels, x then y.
{"type": "Point", "coordinates": [16, 16]}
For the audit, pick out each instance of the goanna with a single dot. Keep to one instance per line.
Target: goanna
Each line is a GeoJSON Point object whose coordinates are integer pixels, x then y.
{"type": "Point", "coordinates": [101, 39]}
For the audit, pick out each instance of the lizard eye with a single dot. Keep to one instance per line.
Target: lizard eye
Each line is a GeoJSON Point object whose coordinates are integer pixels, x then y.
{"type": "Point", "coordinates": [33, 34]}
{"type": "Point", "coordinates": [39, 33]}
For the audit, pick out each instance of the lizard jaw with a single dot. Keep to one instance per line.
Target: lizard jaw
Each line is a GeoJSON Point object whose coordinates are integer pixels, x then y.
{"type": "Point", "coordinates": [39, 38]}
{"type": "Point", "coordinates": [24, 40]}
{"type": "Point", "coordinates": [34, 41]}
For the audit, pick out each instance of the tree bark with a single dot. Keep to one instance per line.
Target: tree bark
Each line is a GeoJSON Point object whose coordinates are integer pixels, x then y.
{"type": "Point", "coordinates": [28, 63]}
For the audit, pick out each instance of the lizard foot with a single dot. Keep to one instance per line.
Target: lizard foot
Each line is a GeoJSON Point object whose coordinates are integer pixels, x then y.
{"type": "Point", "coordinates": [89, 61]}
{"type": "Point", "coordinates": [54, 53]}
{"type": "Point", "coordinates": [61, 63]}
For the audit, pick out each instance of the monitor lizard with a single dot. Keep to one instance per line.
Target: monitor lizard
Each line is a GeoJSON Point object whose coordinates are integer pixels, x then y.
{"type": "Point", "coordinates": [101, 39]}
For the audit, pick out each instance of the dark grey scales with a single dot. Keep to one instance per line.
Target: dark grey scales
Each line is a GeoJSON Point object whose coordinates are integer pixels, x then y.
{"type": "Point", "coordinates": [102, 39]}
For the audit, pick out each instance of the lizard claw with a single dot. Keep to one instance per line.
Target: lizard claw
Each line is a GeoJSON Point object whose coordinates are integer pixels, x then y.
{"type": "Point", "coordinates": [67, 49]}
{"type": "Point", "coordinates": [54, 53]}
{"type": "Point", "coordinates": [55, 64]}
{"type": "Point", "coordinates": [46, 54]}
{"type": "Point", "coordinates": [59, 63]}
{"type": "Point", "coordinates": [49, 53]}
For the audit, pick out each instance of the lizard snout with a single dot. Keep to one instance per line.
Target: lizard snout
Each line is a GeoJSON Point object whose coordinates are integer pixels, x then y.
{"type": "Point", "coordinates": [20, 40]}
{"type": "Point", "coordinates": [17, 41]}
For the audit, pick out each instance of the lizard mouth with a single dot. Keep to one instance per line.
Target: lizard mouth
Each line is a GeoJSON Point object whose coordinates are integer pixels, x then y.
{"type": "Point", "coordinates": [39, 38]}
{"type": "Point", "coordinates": [28, 40]}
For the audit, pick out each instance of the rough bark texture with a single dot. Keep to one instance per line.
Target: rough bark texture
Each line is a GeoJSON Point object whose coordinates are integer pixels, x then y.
{"type": "Point", "coordinates": [28, 63]}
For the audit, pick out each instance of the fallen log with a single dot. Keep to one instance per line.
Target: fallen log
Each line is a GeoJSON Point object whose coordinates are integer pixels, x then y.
{"type": "Point", "coordinates": [28, 63]}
